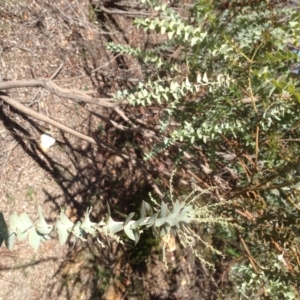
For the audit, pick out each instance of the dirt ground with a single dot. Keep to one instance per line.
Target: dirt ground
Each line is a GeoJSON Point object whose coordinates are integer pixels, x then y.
{"type": "Point", "coordinates": [37, 36]}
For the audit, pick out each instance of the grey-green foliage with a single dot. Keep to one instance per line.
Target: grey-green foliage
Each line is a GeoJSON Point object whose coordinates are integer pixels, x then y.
{"type": "Point", "coordinates": [251, 283]}
{"type": "Point", "coordinates": [21, 227]}
{"type": "Point", "coordinates": [246, 52]}
{"type": "Point", "coordinates": [164, 219]}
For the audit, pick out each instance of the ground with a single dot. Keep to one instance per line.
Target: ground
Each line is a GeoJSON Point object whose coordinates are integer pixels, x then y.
{"type": "Point", "coordinates": [37, 37]}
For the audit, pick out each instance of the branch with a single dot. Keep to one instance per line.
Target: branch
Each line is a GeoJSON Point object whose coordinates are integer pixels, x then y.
{"type": "Point", "coordinates": [75, 95]}
{"type": "Point", "coordinates": [32, 113]}
{"type": "Point", "coordinates": [127, 13]}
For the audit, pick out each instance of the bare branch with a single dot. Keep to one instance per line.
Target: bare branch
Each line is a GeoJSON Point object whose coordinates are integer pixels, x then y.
{"type": "Point", "coordinates": [127, 13]}
{"type": "Point", "coordinates": [32, 113]}
{"type": "Point", "coordinates": [75, 95]}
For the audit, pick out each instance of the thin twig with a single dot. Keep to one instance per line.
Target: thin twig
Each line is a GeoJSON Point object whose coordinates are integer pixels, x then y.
{"type": "Point", "coordinates": [250, 257]}
{"type": "Point", "coordinates": [57, 71]}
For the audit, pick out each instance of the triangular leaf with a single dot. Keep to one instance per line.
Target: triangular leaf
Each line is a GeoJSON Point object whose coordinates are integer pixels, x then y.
{"type": "Point", "coordinates": [170, 34]}
{"type": "Point", "coordinates": [22, 234]}
{"type": "Point", "coordinates": [148, 207]}
{"type": "Point", "coordinates": [177, 207]}
{"type": "Point", "coordinates": [77, 231]}
{"type": "Point", "coordinates": [65, 220]}
{"type": "Point", "coordinates": [164, 210]}
{"type": "Point", "coordinates": [204, 78]}
{"type": "Point", "coordinates": [152, 219]}
{"type": "Point", "coordinates": [13, 221]}
{"type": "Point", "coordinates": [24, 226]}
{"type": "Point", "coordinates": [113, 227]}
{"type": "Point", "coordinates": [128, 219]}
{"type": "Point", "coordinates": [137, 236]}
{"type": "Point", "coordinates": [194, 41]}
{"type": "Point", "coordinates": [62, 231]}
{"type": "Point", "coordinates": [34, 239]}
{"type": "Point", "coordinates": [129, 232]}
{"type": "Point", "coordinates": [41, 225]}
{"type": "Point", "coordinates": [25, 222]}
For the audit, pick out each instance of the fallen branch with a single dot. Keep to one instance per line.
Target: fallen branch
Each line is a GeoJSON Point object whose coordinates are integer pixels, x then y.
{"type": "Point", "coordinates": [32, 113]}
{"type": "Point", "coordinates": [76, 95]}
{"type": "Point", "coordinates": [124, 12]}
